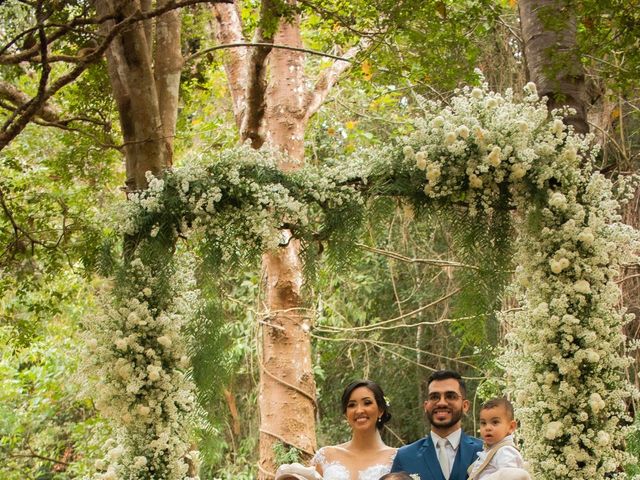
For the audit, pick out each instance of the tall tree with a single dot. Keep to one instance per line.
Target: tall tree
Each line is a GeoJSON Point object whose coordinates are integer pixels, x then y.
{"type": "Point", "coordinates": [275, 111]}
{"type": "Point", "coordinates": [144, 64]}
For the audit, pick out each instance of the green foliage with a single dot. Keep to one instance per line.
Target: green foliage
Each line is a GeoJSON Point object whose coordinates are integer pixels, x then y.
{"type": "Point", "coordinates": [285, 454]}
{"type": "Point", "coordinates": [49, 428]}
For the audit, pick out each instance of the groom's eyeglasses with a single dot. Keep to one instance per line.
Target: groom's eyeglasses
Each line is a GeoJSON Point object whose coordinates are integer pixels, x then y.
{"type": "Point", "coordinates": [448, 396]}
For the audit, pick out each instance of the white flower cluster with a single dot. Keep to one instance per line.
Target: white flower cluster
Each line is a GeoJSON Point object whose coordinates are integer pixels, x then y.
{"type": "Point", "coordinates": [485, 145]}
{"type": "Point", "coordinates": [565, 360]}
{"type": "Point", "coordinates": [239, 199]}
{"type": "Point", "coordinates": [566, 345]}
{"type": "Point", "coordinates": [484, 150]}
{"type": "Point", "coordinates": [138, 355]}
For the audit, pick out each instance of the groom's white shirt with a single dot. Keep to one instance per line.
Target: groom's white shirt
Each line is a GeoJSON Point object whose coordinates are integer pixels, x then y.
{"type": "Point", "coordinates": [452, 446]}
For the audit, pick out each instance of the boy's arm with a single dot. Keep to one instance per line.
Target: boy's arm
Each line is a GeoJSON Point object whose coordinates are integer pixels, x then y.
{"type": "Point", "coordinates": [508, 457]}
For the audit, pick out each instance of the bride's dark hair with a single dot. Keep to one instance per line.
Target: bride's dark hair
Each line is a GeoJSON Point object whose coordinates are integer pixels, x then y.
{"type": "Point", "coordinates": [378, 394]}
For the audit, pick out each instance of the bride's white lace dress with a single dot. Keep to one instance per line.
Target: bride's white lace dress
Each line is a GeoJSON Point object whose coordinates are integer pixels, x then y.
{"type": "Point", "coordinates": [334, 470]}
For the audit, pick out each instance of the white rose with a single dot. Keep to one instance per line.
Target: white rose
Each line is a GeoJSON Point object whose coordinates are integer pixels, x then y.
{"type": "Point", "coordinates": [477, 93]}
{"type": "Point", "coordinates": [437, 122]}
{"type": "Point", "coordinates": [433, 173]}
{"type": "Point", "coordinates": [115, 453]}
{"type": "Point", "coordinates": [164, 341]}
{"type": "Point", "coordinates": [596, 402]}
{"type": "Point", "coordinates": [450, 138]}
{"type": "Point", "coordinates": [462, 131]}
{"type": "Point", "coordinates": [531, 88]}
{"type": "Point", "coordinates": [408, 152]}
{"type": "Point", "coordinates": [582, 286]}
{"type": "Point", "coordinates": [522, 126]}
{"type": "Point", "coordinates": [143, 410]}
{"type": "Point", "coordinates": [586, 236]}
{"type": "Point", "coordinates": [553, 430]}
{"type": "Point", "coordinates": [558, 200]}
{"type": "Point", "coordinates": [494, 157]}
{"type": "Point", "coordinates": [121, 343]}
{"type": "Point", "coordinates": [153, 372]}
{"type": "Point", "coordinates": [491, 103]}
{"type": "Point", "coordinates": [139, 462]}
{"type": "Point", "coordinates": [421, 160]}
{"type": "Point", "coordinates": [475, 181]}
{"type": "Point", "coordinates": [603, 438]}
{"type": "Point", "coordinates": [557, 126]}
{"type": "Point", "coordinates": [517, 172]}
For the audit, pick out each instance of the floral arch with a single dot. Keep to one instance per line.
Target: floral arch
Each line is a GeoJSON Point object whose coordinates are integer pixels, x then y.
{"type": "Point", "coordinates": [500, 159]}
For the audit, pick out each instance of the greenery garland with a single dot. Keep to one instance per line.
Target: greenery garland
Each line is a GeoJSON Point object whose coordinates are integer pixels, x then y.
{"type": "Point", "coordinates": [485, 153]}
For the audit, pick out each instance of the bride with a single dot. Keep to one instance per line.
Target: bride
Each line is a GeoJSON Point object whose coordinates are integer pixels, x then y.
{"type": "Point", "coordinates": [365, 456]}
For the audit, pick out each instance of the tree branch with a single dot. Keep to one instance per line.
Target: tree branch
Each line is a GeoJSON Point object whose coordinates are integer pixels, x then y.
{"type": "Point", "coordinates": [20, 119]}
{"type": "Point", "coordinates": [229, 32]}
{"type": "Point", "coordinates": [18, 98]}
{"type": "Point", "coordinates": [250, 128]}
{"type": "Point", "coordinates": [329, 77]}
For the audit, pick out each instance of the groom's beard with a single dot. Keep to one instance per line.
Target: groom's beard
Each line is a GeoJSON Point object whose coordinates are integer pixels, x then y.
{"type": "Point", "coordinates": [456, 416]}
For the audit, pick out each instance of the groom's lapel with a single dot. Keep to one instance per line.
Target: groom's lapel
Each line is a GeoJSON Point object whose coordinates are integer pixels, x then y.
{"type": "Point", "coordinates": [430, 458]}
{"type": "Point", "coordinates": [464, 457]}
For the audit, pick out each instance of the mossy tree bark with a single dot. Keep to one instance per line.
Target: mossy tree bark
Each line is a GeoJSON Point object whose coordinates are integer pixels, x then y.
{"type": "Point", "coordinates": [552, 57]}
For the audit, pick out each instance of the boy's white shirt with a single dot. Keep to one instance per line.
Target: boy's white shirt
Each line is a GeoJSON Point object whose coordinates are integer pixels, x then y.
{"type": "Point", "coordinates": [506, 456]}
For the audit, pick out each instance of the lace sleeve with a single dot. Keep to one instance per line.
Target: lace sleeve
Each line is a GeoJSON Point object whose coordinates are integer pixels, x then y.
{"type": "Point", "coordinates": [319, 458]}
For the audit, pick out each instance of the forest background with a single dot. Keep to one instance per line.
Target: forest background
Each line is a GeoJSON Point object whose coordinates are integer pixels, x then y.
{"type": "Point", "coordinates": [413, 297]}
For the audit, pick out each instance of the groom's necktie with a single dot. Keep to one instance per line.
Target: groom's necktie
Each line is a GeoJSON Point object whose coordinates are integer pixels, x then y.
{"type": "Point", "coordinates": [443, 458]}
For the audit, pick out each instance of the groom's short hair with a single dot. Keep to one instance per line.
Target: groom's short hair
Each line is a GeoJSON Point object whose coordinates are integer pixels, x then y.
{"type": "Point", "coordinates": [446, 375]}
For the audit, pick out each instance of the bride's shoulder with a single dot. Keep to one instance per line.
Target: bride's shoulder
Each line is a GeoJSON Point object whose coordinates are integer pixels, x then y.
{"type": "Point", "coordinates": [328, 453]}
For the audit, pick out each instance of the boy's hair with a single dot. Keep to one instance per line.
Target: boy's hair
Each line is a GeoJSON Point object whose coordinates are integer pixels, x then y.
{"type": "Point", "coordinates": [396, 476]}
{"type": "Point", "coordinates": [499, 402]}
{"type": "Point", "coordinates": [446, 375]}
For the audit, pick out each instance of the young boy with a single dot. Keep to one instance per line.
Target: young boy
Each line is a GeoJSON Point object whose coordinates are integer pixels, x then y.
{"type": "Point", "coordinates": [496, 426]}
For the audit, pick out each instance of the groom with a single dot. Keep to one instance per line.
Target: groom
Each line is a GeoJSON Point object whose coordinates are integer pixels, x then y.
{"type": "Point", "coordinates": [447, 452]}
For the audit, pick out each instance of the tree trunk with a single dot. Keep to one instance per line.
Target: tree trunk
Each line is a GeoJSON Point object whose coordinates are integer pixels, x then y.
{"type": "Point", "coordinates": [551, 53]}
{"type": "Point", "coordinates": [286, 352]}
{"type": "Point", "coordinates": [139, 91]}
{"type": "Point", "coordinates": [276, 113]}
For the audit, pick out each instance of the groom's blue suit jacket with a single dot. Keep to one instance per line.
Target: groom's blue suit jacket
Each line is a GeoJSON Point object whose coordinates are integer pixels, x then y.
{"type": "Point", "coordinates": [420, 457]}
